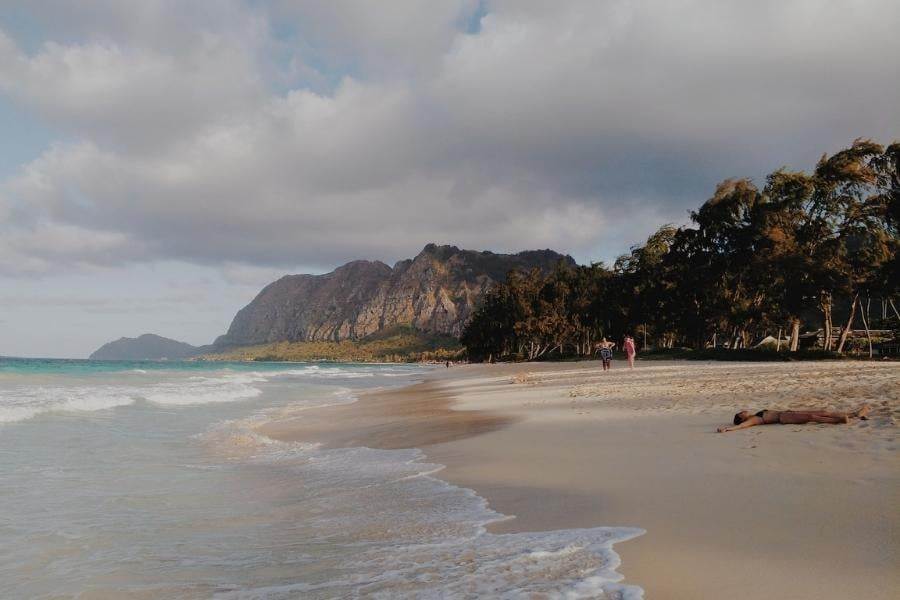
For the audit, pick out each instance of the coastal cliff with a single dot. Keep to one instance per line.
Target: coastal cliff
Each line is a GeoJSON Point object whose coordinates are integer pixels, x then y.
{"type": "Point", "coordinates": [145, 347]}
{"type": "Point", "coordinates": [434, 292]}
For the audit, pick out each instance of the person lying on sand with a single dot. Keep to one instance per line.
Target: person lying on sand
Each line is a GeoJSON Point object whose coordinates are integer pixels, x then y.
{"type": "Point", "coordinates": [745, 419]}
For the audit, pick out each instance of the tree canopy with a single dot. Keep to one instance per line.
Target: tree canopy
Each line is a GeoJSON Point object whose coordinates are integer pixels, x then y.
{"type": "Point", "coordinates": [752, 261]}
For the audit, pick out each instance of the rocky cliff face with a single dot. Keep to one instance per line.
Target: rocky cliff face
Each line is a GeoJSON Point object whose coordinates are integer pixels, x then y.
{"type": "Point", "coordinates": [436, 291]}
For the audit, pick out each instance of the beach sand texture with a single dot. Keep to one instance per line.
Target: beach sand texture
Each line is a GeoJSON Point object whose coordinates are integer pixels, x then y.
{"type": "Point", "coordinates": [798, 512]}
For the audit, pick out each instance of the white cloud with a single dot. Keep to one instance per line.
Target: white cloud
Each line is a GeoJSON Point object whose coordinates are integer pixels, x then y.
{"type": "Point", "coordinates": [555, 125]}
{"type": "Point", "coordinates": [132, 98]}
{"type": "Point", "coordinates": [387, 39]}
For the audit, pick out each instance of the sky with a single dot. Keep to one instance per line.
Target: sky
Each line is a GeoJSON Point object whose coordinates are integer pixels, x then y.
{"type": "Point", "coordinates": [162, 160]}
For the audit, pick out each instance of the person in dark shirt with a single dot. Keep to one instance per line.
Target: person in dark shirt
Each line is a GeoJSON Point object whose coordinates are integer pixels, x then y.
{"type": "Point", "coordinates": [606, 348]}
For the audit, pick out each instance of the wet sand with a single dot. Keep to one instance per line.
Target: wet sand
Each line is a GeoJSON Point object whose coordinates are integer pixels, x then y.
{"type": "Point", "coordinates": [806, 511]}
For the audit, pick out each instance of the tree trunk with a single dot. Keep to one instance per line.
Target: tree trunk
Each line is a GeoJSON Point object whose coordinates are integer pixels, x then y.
{"type": "Point", "coordinates": [866, 325]}
{"type": "Point", "coordinates": [825, 305]}
{"type": "Point", "coordinates": [895, 308]}
{"type": "Point", "coordinates": [795, 334]}
{"type": "Point", "coordinates": [846, 331]}
{"type": "Point", "coordinates": [778, 341]}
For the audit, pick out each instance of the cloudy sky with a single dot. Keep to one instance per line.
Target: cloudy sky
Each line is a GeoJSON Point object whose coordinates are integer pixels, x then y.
{"type": "Point", "coordinates": [162, 160]}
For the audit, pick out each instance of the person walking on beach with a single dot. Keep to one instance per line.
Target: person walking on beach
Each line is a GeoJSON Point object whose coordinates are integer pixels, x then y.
{"type": "Point", "coordinates": [745, 419]}
{"type": "Point", "coordinates": [606, 348]}
{"type": "Point", "coordinates": [628, 347]}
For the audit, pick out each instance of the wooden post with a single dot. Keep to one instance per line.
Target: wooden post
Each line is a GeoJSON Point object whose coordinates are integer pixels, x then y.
{"type": "Point", "coordinates": [795, 334]}
{"type": "Point", "coordinates": [866, 325]}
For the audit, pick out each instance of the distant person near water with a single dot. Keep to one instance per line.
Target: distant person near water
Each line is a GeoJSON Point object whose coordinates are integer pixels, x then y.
{"type": "Point", "coordinates": [745, 419]}
{"type": "Point", "coordinates": [606, 350]}
{"type": "Point", "coordinates": [628, 347]}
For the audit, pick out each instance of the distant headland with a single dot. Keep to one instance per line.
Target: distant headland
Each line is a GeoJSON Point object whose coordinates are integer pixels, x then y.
{"type": "Point", "coordinates": [363, 310]}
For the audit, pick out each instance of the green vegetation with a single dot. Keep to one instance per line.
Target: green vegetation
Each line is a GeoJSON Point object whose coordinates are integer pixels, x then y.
{"type": "Point", "coordinates": [753, 262]}
{"type": "Point", "coordinates": [398, 344]}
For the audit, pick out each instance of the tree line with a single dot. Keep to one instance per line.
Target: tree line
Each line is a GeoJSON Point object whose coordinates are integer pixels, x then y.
{"type": "Point", "coordinates": [751, 262]}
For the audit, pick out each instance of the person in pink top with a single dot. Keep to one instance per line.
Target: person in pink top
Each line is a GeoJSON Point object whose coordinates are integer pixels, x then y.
{"type": "Point", "coordinates": [628, 347]}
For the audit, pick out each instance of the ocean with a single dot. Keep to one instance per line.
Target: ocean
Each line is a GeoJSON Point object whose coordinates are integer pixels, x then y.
{"type": "Point", "coordinates": [149, 480]}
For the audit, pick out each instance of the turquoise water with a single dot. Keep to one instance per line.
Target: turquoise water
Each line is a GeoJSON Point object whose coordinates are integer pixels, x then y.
{"type": "Point", "coordinates": [152, 480]}
{"type": "Point", "coordinates": [77, 367]}
{"type": "Point", "coordinates": [29, 387]}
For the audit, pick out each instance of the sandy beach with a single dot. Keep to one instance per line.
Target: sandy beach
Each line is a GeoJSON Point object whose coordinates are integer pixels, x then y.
{"type": "Point", "coordinates": [800, 512]}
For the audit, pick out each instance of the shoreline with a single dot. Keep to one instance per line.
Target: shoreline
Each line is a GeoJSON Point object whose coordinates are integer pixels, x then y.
{"type": "Point", "coordinates": [561, 446]}
{"type": "Point", "coordinates": [412, 416]}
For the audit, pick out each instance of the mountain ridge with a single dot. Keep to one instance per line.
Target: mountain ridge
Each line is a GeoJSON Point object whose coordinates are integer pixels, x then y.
{"type": "Point", "coordinates": [436, 291]}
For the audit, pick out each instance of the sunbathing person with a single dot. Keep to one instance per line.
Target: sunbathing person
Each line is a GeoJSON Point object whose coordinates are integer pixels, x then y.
{"type": "Point", "coordinates": [745, 419]}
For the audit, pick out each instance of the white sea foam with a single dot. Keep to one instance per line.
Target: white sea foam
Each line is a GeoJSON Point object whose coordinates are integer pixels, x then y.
{"type": "Point", "coordinates": [127, 505]}
{"type": "Point", "coordinates": [345, 371]}
{"type": "Point", "coordinates": [23, 402]}
{"type": "Point", "coordinates": [227, 388]}
{"type": "Point", "coordinates": [314, 371]}
{"type": "Point", "coordinates": [421, 537]}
